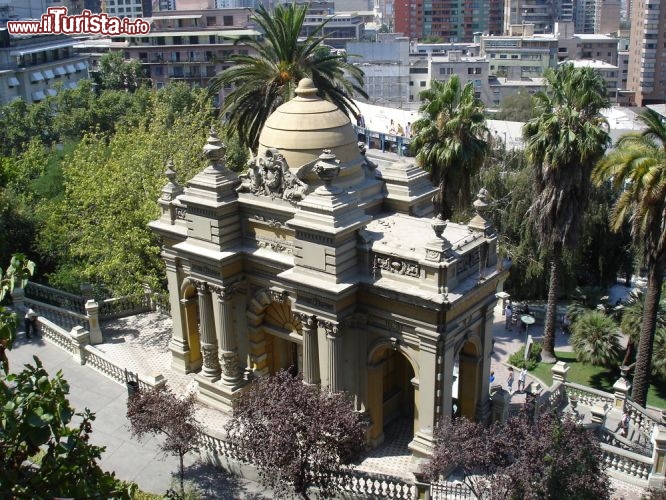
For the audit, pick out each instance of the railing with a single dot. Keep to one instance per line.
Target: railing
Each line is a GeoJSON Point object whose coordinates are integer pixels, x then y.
{"type": "Point", "coordinates": [641, 425]}
{"type": "Point", "coordinates": [54, 297]}
{"type": "Point", "coordinates": [588, 396]}
{"type": "Point", "coordinates": [123, 307]}
{"type": "Point", "coordinates": [385, 141]}
{"type": "Point", "coordinates": [612, 439]}
{"type": "Point", "coordinates": [58, 335]}
{"type": "Point", "coordinates": [358, 483]}
{"type": "Point", "coordinates": [626, 465]}
{"type": "Point", "coordinates": [64, 318]}
{"type": "Point", "coordinates": [450, 491]}
{"type": "Point", "coordinates": [161, 304]}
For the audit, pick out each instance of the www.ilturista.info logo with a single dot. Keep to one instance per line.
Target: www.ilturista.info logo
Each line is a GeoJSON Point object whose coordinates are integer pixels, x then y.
{"type": "Point", "coordinates": [56, 21]}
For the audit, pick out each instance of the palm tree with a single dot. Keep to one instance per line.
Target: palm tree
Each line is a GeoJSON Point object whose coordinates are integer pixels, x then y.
{"type": "Point", "coordinates": [637, 167]}
{"type": "Point", "coordinates": [563, 143]}
{"type": "Point", "coordinates": [595, 338]}
{"type": "Point", "coordinates": [451, 140]}
{"type": "Point", "coordinates": [263, 81]}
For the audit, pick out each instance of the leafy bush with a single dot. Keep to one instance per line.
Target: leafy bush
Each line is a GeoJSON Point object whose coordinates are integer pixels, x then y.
{"type": "Point", "coordinates": [518, 358]}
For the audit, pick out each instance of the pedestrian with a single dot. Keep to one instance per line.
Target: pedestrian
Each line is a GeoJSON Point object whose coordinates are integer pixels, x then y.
{"type": "Point", "coordinates": [360, 120]}
{"type": "Point", "coordinates": [508, 313]}
{"type": "Point", "coordinates": [391, 129]}
{"type": "Point", "coordinates": [408, 129]}
{"type": "Point", "coordinates": [30, 322]}
{"type": "Point", "coordinates": [509, 381]}
{"type": "Point", "coordinates": [400, 131]}
{"type": "Point", "coordinates": [566, 324]}
{"type": "Point", "coordinates": [521, 379]}
{"type": "Point", "coordinates": [624, 424]}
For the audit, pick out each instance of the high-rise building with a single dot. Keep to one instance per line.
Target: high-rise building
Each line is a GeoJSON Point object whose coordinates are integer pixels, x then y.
{"type": "Point", "coordinates": [543, 14]}
{"type": "Point", "coordinates": [597, 16]}
{"type": "Point", "coordinates": [647, 60]}
{"type": "Point", "coordinates": [450, 20]}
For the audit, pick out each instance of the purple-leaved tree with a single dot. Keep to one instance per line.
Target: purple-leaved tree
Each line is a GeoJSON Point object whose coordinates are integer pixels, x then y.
{"type": "Point", "coordinates": [158, 411]}
{"type": "Point", "coordinates": [554, 457]}
{"type": "Point", "coordinates": [298, 435]}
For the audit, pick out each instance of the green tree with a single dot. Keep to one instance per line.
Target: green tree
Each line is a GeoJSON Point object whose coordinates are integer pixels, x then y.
{"type": "Point", "coordinates": [451, 140]}
{"type": "Point", "coordinates": [264, 81]}
{"type": "Point", "coordinates": [36, 417]}
{"type": "Point", "coordinates": [516, 107]}
{"type": "Point", "coordinates": [595, 339]}
{"type": "Point", "coordinates": [637, 168]}
{"type": "Point", "coordinates": [115, 73]}
{"type": "Point", "coordinates": [16, 275]}
{"type": "Point", "coordinates": [563, 143]}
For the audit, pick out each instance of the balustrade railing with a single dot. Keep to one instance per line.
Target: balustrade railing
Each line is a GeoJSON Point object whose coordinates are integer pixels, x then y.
{"type": "Point", "coordinates": [626, 465]}
{"type": "Point", "coordinates": [124, 306]}
{"type": "Point", "coordinates": [58, 335]}
{"type": "Point", "coordinates": [450, 491]}
{"type": "Point", "coordinates": [64, 318]}
{"type": "Point", "coordinates": [54, 297]}
{"type": "Point", "coordinates": [365, 485]}
{"type": "Point", "coordinates": [588, 396]}
{"type": "Point", "coordinates": [613, 439]}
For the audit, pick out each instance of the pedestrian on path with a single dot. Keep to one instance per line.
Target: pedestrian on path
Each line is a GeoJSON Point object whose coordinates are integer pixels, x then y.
{"type": "Point", "coordinates": [521, 379]}
{"type": "Point", "coordinates": [624, 423]}
{"type": "Point", "coordinates": [30, 322]}
{"type": "Point", "coordinates": [509, 381]}
{"type": "Point", "coordinates": [508, 313]}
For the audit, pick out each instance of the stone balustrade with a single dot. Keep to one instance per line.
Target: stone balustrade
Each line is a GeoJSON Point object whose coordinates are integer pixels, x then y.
{"type": "Point", "coordinates": [58, 335]}
{"type": "Point", "coordinates": [640, 422]}
{"type": "Point", "coordinates": [54, 297]}
{"type": "Point", "coordinates": [64, 318]}
{"type": "Point", "coordinates": [124, 306]}
{"type": "Point", "coordinates": [588, 396]}
{"type": "Point", "coordinates": [626, 465]}
{"type": "Point", "coordinates": [617, 441]}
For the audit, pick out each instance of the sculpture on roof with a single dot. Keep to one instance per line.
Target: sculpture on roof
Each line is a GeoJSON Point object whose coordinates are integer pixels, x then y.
{"type": "Point", "coordinates": [269, 175]}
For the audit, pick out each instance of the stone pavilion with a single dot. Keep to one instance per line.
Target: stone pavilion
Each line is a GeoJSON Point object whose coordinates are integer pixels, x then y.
{"type": "Point", "coordinates": [324, 258]}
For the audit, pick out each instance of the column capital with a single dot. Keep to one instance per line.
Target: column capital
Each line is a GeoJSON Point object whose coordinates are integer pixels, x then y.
{"type": "Point", "coordinates": [308, 320]}
{"type": "Point", "coordinates": [200, 285]}
{"type": "Point", "coordinates": [332, 329]}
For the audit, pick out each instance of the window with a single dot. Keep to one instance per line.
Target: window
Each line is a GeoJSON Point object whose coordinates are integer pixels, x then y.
{"type": "Point", "coordinates": [177, 40]}
{"type": "Point", "coordinates": [194, 40]}
{"type": "Point", "coordinates": [228, 20]}
{"type": "Point", "coordinates": [477, 71]}
{"type": "Point", "coordinates": [211, 39]}
{"type": "Point", "coordinates": [210, 21]}
{"type": "Point", "coordinates": [422, 84]}
{"type": "Point", "coordinates": [411, 84]}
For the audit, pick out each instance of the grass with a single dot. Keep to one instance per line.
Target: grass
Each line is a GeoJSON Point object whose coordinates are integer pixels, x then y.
{"type": "Point", "coordinates": [597, 377]}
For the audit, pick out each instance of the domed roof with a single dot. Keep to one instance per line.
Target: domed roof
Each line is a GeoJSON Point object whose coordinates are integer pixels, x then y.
{"type": "Point", "coordinates": [306, 125]}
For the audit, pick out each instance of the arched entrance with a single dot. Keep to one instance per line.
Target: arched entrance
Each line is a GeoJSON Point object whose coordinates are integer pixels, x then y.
{"type": "Point", "coordinates": [470, 371]}
{"type": "Point", "coordinates": [190, 306]}
{"type": "Point", "coordinates": [392, 391]}
{"type": "Point", "coordinates": [275, 334]}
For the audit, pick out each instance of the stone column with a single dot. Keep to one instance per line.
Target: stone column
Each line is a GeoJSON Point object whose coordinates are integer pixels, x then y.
{"type": "Point", "coordinates": [211, 364]}
{"type": "Point", "coordinates": [657, 477]}
{"type": "Point", "coordinates": [310, 349]}
{"type": "Point", "coordinates": [231, 372]}
{"type": "Point", "coordinates": [92, 311]}
{"type": "Point", "coordinates": [447, 381]}
{"type": "Point", "coordinates": [334, 337]}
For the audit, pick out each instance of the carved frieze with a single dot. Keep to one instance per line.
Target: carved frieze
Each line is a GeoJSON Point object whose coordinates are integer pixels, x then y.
{"type": "Point", "coordinates": [269, 175]}
{"type": "Point", "coordinates": [278, 246]}
{"type": "Point", "coordinates": [274, 223]}
{"type": "Point", "coordinates": [387, 324]}
{"type": "Point", "coordinates": [396, 266]}
{"type": "Point", "coordinates": [315, 302]}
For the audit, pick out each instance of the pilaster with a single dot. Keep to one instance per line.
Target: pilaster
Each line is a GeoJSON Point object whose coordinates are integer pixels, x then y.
{"type": "Point", "coordinates": [423, 441]}
{"type": "Point", "coordinates": [209, 347]}
{"type": "Point", "coordinates": [310, 349]}
{"type": "Point", "coordinates": [335, 355]}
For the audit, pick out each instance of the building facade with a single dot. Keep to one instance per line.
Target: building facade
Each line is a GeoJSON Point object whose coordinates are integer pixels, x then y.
{"type": "Point", "coordinates": [647, 58]}
{"type": "Point", "coordinates": [33, 67]}
{"type": "Point", "coordinates": [327, 261]}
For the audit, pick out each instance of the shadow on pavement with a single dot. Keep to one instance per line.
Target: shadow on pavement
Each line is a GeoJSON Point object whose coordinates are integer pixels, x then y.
{"type": "Point", "coordinates": [213, 483]}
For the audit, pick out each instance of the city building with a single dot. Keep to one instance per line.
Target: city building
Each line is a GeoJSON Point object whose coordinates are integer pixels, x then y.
{"type": "Point", "coordinates": [542, 14]}
{"type": "Point", "coordinates": [325, 260]}
{"type": "Point", "coordinates": [521, 55]}
{"type": "Point", "coordinates": [588, 46]}
{"type": "Point", "coordinates": [35, 66]}
{"type": "Point", "coordinates": [647, 58]}
{"type": "Point", "coordinates": [449, 20]}
{"type": "Point", "coordinates": [609, 72]}
{"type": "Point", "coordinates": [342, 27]}
{"type": "Point", "coordinates": [597, 16]}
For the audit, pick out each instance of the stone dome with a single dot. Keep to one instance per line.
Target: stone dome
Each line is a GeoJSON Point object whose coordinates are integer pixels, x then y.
{"type": "Point", "coordinates": [306, 125]}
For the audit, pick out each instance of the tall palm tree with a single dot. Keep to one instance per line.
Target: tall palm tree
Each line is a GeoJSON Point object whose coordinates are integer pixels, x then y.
{"type": "Point", "coordinates": [266, 79]}
{"type": "Point", "coordinates": [637, 167]}
{"type": "Point", "coordinates": [451, 140]}
{"type": "Point", "coordinates": [563, 143]}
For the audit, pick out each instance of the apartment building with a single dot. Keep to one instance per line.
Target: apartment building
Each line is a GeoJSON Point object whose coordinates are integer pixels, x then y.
{"type": "Point", "coordinates": [450, 20]}
{"type": "Point", "coordinates": [33, 67]}
{"type": "Point", "coordinates": [609, 72]}
{"type": "Point", "coordinates": [588, 46]}
{"type": "Point", "coordinates": [542, 14]}
{"type": "Point", "coordinates": [526, 55]}
{"type": "Point", "coordinates": [647, 52]}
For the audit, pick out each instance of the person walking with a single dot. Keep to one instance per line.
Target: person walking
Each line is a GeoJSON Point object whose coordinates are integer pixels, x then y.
{"type": "Point", "coordinates": [30, 322]}
{"type": "Point", "coordinates": [509, 381]}
{"type": "Point", "coordinates": [624, 423]}
{"type": "Point", "coordinates": [521, 379]}
{"type": "Point", "coordinates": [508, 314]}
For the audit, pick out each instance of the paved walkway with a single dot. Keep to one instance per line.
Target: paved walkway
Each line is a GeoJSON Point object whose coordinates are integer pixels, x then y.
{"type": "Point", "coordinates": [140, 344]}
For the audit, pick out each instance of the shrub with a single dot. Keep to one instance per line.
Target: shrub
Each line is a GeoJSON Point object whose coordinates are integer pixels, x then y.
{"type": "Point", "coordinates": [518, 360]}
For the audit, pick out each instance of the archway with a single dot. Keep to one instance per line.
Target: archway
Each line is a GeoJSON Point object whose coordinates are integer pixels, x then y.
{"type": "Point", "coordinates": [275, 333]}
{"type": "Point", "coordinates": [392, 392]}
{"type": "Point", "coordinates": [190, 307]}
{"type": "Point", "coordinates": [470, 372]}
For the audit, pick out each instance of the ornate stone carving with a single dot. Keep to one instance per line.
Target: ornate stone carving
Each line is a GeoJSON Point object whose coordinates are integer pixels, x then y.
{"type": "Point", "coordinates": [396, 266]}
{"type": "Point", "coordinates": [332, 329]}
{"type": "Point", "coordinates": [269, 175]}
{"type": "Point", "coordinates": [280, 297]}
{"type": "Point", "coordinates": [181, 213]}
{"type": "Point", "coordinates": [369, 166]}
{"type": "Point", "coordinates": [209, 355]}
{"type": "Point", "coordinates": [270, 222]}
{"type": "Point", "coordinates": [276, 246]}
{"type": "Point", "coordinates": [230, 366]}
{"type": "Point", "coordinates": [307, 320]}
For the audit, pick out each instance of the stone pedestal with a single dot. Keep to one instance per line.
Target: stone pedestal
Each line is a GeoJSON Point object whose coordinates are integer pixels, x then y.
{"type": "Point", "coordinates": [92, 311]}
